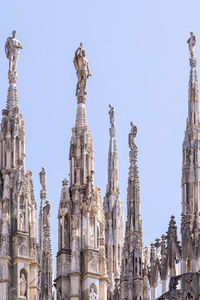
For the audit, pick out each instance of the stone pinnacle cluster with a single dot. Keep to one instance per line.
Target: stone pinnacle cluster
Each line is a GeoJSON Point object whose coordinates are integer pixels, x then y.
{"type": "Point", "coordinates": [96, 258]}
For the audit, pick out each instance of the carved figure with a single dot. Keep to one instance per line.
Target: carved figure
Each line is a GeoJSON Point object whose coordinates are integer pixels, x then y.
{"type": "Point", "coordinates": [12, 47]}
{"type": "Point", "coordinates": [93, 293]}
{"type": "Point", "coordinates": [21, 225]}
{"type": "Point", "coordinates": [43, 178]}
{"type": "Point", "coordinates": [6, 187]}
{"type": "Point", "coordinates": [112, 115]}
{"type": "Point", "coordinates": [82, 69]}
{"type": "Point", "coordinates": [191, 43]}
{"type": "Point", "coordinates": [132, 136]}
{"type": "Point", "coordinates": [47, 215]}
{"type": "Point", "coordinates": [23, 285]}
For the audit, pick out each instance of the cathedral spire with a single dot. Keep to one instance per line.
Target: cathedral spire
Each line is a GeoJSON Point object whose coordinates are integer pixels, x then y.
{"type": "Point", "coordinates": [114, 214]}
{"type": "Point", "coordinates": [13, 139]}
{"type": "Point", "coordinates": [81, 164]}
{"type": "Point", "coordinates": [12, 47]}
{"type": "Point", "coordinates": [113, 182]}
{"type": "Point", "coordinates": [190, 176]}
{"type": "Point", "coordinates": [46, 275]}
{"type": "Point", "coordinates": [82, 72]}
{"type": "Point", "coordinates": [132, 272]}
{"type": "Point", "coordinates": [193, 92]}
{"type": "Point", "coordinates": [81, 221]}
{"type": "Point", "coordinates": [17, 203]}
{"type": "Point", "coordinates": [133, 191]}
{"type": "Point", "coordinates": [190, 166]}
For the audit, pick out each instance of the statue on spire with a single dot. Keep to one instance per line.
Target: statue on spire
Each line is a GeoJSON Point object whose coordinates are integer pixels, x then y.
{"type": "Point", "coordinates": [82, 70]}
{"type": "Point", "coordinates": [191, 43]}
{"type": "Point", "coordinates": [12, 47]}
{"type": "Point", "coordinates": [112, 115]}
{"type": "Point", "coordinates": [132, 136]}
{"type": "Point", "coordinates": [43, 178]}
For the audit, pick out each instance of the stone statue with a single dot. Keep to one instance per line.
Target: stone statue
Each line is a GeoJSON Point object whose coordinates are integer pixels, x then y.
{"type": "Point", "coordinates": [43, 178]}
{"type": "Point", "coordinates": [12, 47]}
{"type": "Point", "coordinates": [21, 227]}
{"type": "Point", "coordinates": [191, 43]}
{"type": "Point", "coordinates": [6, 187]}
{"type": "Point", "coordinates": [93, 294]}
{"type": "Point", "coordinates": [132, 136]}
{"type": "Point", "coordinates": [46, 210]}
{"type": "Point", "coordinates": [22, 285]}
{"type": "Point", "coordinates": [112, 115]}
{"type": "Point", "coordinates": [82, 69]}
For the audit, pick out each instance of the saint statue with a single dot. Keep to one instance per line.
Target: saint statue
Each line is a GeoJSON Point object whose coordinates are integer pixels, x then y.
{"type": "Point", "coordinates": [21, 224]}
{"type": "Point", "coordinates": [43, 178]}
{"type": "Point", "coordinates": [112, 115]}
{"type": "Point", "coordinates": [191, 43]}
{"type": "Point", "coordinates": [132, 136]}
{"type": "Point", "coordinates": [22, 285]}
{"type": "Point", "coordinates": [82, 69]}
{"type": "Point", "coordinates": [46, 211]}
{"type": "Point", "coordinates": [12, 47]}
{"type": "Point", "coordinates": [93, 294]}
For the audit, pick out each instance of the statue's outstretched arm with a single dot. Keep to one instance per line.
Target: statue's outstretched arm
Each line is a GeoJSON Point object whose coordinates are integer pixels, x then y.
{"type": "Point", "coordinates": [19, 45]}
{"type": "Point", "coordinates": [77, 51]}
{"type": "Point", "coordinates": [6, 48]}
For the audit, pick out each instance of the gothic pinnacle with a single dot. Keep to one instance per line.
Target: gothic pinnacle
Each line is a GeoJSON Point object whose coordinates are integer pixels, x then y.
{"type": "Point", "coordinates": [133, 245]}
{"type": "Point", "coordinates": [114, 215]}
{"type": "Point", "coordinates": [193, 93]}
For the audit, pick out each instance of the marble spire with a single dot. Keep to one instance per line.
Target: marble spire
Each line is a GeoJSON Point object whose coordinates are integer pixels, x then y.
{"type": "Point", "coordinates": [46, 274]}
{"type": "Point", "coordinates": [193, 91]}
{"type": "Point", "coordinates": [114, 214]}
{"type": "Point", "coordinates": [81, 261]}
{"type": "Point", "coordinates": [19, 265]}
{"type": "Point", "coordinates": [132, 260]}
{"type": "Point", "coordinates": [190, 170]}
{"type": "Point", "coordinates": [82, 71]}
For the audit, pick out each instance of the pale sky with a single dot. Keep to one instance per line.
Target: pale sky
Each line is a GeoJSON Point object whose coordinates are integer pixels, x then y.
{"type": "Point", "coordinates": [139, 61]}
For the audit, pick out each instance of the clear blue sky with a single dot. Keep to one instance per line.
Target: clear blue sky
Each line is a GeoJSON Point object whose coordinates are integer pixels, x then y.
{"type": "Point", "coordinates": [138, 57]}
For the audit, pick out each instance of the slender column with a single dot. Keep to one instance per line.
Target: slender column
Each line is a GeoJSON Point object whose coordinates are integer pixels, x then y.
{"type": "Point", "coordinates": [73, 170]}
{"type": "Point", "coordinates": [18, 211]}
{"type": "Point", "coordinates": [95, 231]}
{"type": "Point", "coordinates": [88, 228]}
{"type": "Point", "coordinates": [153, 293]}
{"type": "Point", "coordinates": [14, 152]}
{"type": "Point", "coordinates": [3, 154]}
{"type": "Point", "coordinates": [63, 231]}
{"type": "Point", "coordinates": [164, 286]}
